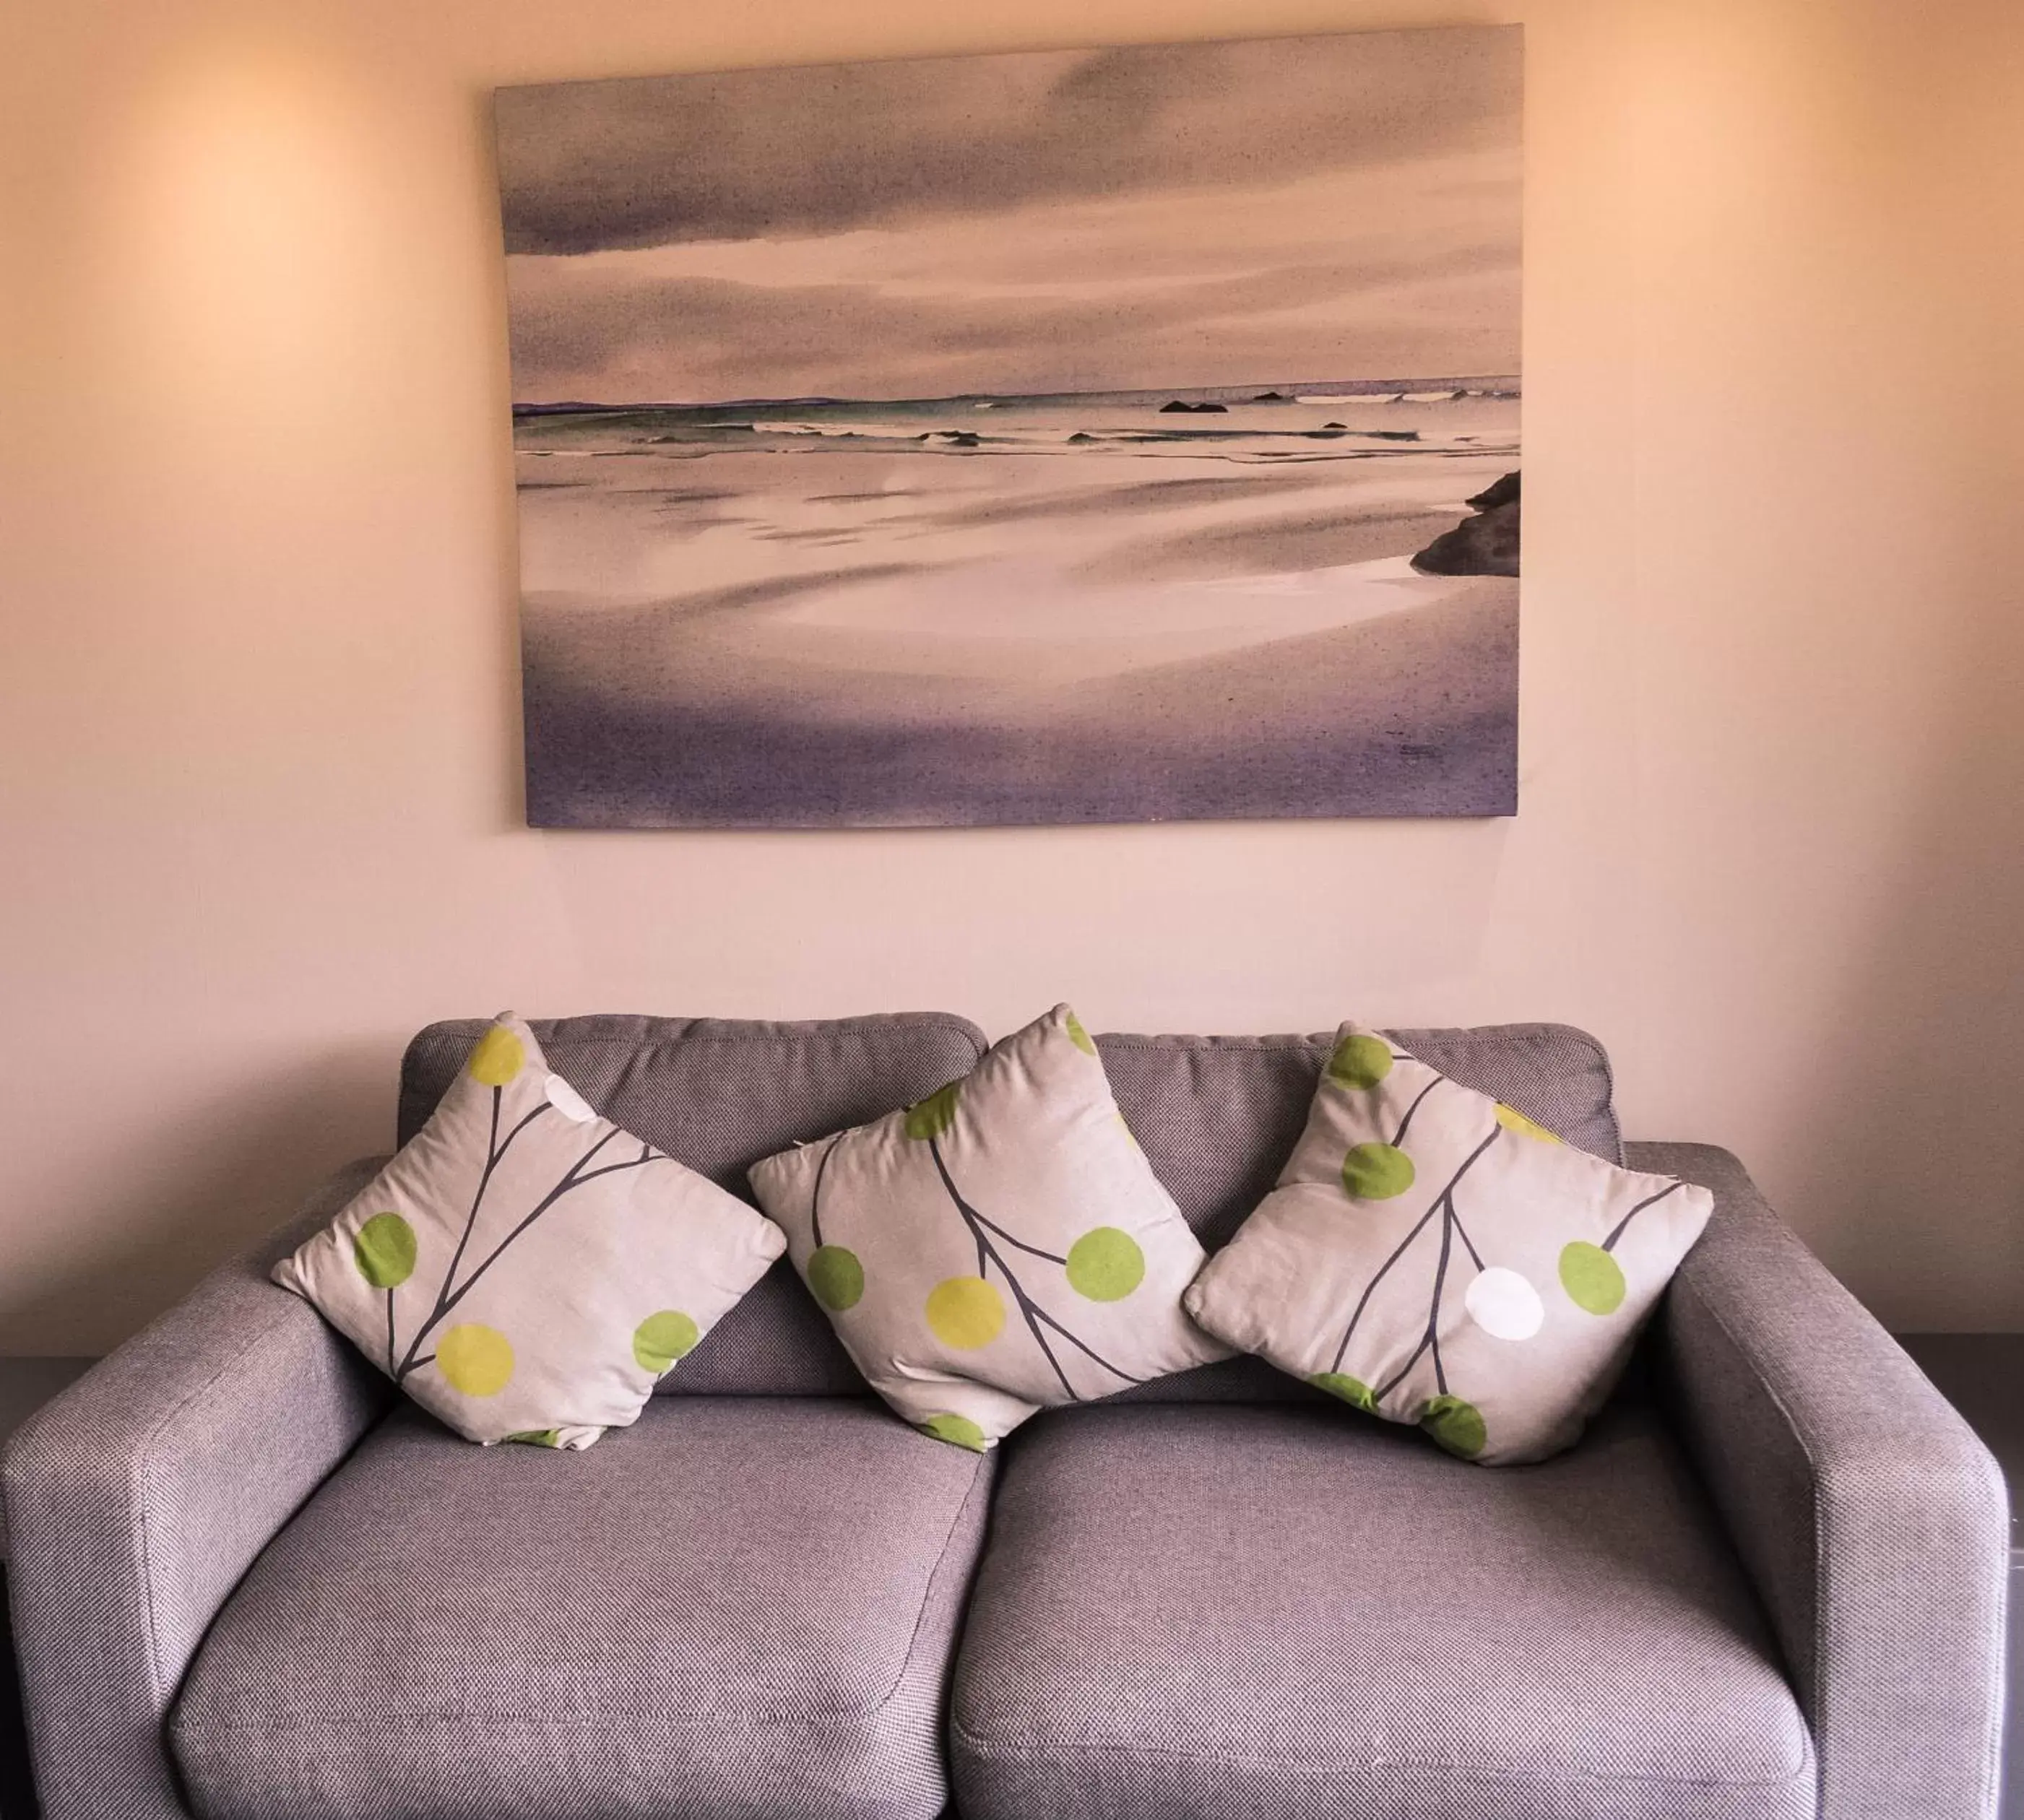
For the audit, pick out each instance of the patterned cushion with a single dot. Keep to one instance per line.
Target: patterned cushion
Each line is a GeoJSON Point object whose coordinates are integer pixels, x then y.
{"type": "Point", "coordinates": [738, 1607]}
{"type": "Point", "coordinates": [1219, 1116]}
{"type": "Point", "coordinates": [719, 1094]}
{"type": "Point", "coordinates": [1433, 1256]}
{"type": "Point", "coordinates": [1276, 1614]}
{"type": "Point", "coordinates": [523, 1268]}
{"type": "Point", "coordinates": [999, 1247]}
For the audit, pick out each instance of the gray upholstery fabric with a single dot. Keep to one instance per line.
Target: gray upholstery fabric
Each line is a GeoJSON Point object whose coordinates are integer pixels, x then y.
{"type": "Point", "coordinates": [1218, 1116]}
{"type": "Point", "coordinates": [1551, 1072]}
{"type": "Point", "coordinates": [719, 1094]}
{"type": "Point", "coordinates": [738, 1607]}
{"type": "Point", "coordinates": [136, 1499]}
{"type": "Point", "coordinates": [1872, 1521]}
{"type": "Point", "coordinates": [1210, 1613]}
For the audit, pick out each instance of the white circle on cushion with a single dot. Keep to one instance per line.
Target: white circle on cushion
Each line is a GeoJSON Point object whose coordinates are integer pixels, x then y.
{"type": "Point", "coordinates": [1504, 1305]}
{"type": "Point", "coordinates": [568, 1101]}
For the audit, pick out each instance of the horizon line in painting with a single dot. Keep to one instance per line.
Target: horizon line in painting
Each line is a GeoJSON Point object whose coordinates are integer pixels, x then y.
{"type": "Point", "coordinates": [1070, 437]}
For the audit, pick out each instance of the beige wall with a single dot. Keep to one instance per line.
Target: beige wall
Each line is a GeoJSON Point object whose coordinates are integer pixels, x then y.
{"type": "Point", "coordinates": [258, 740]}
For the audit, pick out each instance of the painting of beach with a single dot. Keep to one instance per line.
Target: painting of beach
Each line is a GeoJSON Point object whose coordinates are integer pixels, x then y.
{"type": "Point", "coordinates": [1090, 436]}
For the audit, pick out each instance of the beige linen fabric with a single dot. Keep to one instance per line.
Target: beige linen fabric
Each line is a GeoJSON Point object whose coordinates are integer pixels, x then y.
{"type": "Point", "coordinates": [523, 1269]}
{"type": "Point", "coordinates": [1434, 1257]}
{"type": "Point", "coordinates": [1000, 1247]}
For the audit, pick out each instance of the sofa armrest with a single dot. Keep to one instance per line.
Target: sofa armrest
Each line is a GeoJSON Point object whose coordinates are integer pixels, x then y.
{"type": "Point", "coordinates": [1871, 1520]}
{"type": "Point", "coordinates": [137, 1498]}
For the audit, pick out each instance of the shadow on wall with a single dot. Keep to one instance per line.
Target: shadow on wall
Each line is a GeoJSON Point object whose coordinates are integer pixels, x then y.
{"type": "Point", "coordinates": [1915, 1114]}
{"type": "Point", "coordinates": [155, 1227]}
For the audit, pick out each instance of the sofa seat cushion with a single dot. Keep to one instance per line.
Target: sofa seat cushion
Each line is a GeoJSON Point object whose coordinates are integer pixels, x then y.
{"type": "Point", "coordinates": [1256, 1613]}
{"type": "Point", "coordinates": [738, 1607]}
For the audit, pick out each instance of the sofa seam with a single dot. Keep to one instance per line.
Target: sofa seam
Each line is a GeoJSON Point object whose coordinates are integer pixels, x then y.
{"type": "Point", "coordinates": [1818, 1642]}
{"type": "Point", "coordinates": [954, 1027]}
{"type": "Point", "coordinates": [638, 1045]}
{"type": "Point", "coordinates": [770, 1720]}
{"type": "Point", "coordinates": [947, 1021]}
{"type": "Point", "coordinates": [1803, 1770]}
{"type": "Point", "coordinates": [139, 1482]}
{"type": "Point", "coordinates": [978, 1476]}
{"type": "Point", "coordinates": [1522, 1036]}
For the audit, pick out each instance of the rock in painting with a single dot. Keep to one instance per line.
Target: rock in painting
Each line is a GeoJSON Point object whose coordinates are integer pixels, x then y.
{"type": "Point", "coordinates": [1484, 544]}
{"type": "Point", "coordinates": [1499, 493]}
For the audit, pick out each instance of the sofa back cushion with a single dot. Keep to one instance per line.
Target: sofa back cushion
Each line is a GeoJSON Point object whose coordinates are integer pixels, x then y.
{"type": "Point", "coordinates": [1217, 1116]}
{"type": "Point", "coordinates": [718, 1094]}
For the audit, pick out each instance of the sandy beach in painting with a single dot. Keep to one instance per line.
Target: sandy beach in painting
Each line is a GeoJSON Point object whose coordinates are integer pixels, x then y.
{"type": "Point", "coordinates": [1083, 607]}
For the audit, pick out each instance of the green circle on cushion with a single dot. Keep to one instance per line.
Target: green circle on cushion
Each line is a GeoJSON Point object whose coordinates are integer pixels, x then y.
{"type": "Point", "coordinates": [1105, 1265]}
{"type": "Point", "coordinates": [1454, 1425]}
{"type": "Point", "coordinates": [1351, 1391]}
{"type": "Point", "coordinates": [384, 1250]}
{"type": "Point", "coordinates": [662, 1338]}
{"type": "Point", "coordinates": [538, 1437]}
{"type": "Point", "coordinates": [931, 1117]}
{"type": "Point", "coordinates": [1360, 1061]}
{"type": "Point", "coordinates": [1592, 1278]}
{"type": "Point", "coordinates": [1079, 1037]}
{"type": "Point", "coordinates": [957, 1430]}
{"type": "Point", "coordinates": [1376, 1172]}
{"type": "Point", "coordinates": [836, 1276]}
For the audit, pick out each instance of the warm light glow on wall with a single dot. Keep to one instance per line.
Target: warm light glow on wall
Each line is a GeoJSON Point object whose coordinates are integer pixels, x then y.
{"type": "Point", "coordinates": [249, 209]}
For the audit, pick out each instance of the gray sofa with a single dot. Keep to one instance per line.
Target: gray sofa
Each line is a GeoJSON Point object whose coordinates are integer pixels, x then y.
{"type": "Point", "coordinates": [252, 1584]}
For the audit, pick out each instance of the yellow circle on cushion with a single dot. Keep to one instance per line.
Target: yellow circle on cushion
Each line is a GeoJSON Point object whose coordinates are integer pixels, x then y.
{"type": "Point", "coordinates": [497, 1058]}
{"type": "Point", "coordinates": [477, 1360]}
{"type": "Point", "coordinates": [1512, 1119]}
{"type": "Point", "coordinates": [966, 1313]}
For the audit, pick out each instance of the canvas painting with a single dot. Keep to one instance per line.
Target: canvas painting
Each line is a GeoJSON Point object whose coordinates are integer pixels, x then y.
{"type": "Point", "coordinates": [1102, 435]}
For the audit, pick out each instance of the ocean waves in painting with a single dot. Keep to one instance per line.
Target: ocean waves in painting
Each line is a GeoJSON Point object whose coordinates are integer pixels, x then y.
{"type": "Point", "coordinates": [1082, 607]}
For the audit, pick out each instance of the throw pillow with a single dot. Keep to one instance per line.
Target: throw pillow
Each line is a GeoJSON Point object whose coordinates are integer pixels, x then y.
{"type": "Point", "coordinates": [1000, 1247]}
{"type": "Point", "coordinates": [1436, 1257]}
{"type": "Point", "coordinates": [523, 1269]}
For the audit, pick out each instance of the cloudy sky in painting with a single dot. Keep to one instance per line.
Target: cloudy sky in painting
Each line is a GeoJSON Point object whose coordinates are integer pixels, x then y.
{"type": "Point", "coordinates": [1321, 208]}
